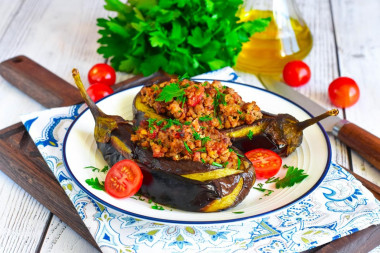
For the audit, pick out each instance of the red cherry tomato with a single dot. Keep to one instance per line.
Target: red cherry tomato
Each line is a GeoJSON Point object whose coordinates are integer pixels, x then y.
{"type": "Point", "coordinates": [98, 91]}
{"type": "Point", "coordinates": [266, 162]}
{"type": "Point", "coordinates": [344, 92]}
{"type": "Point", "coordinates": [124, 179]}
{"type": "Point", "coordinates": [296, 73]}
{"type": "Point", "coordinates": [102, 73]}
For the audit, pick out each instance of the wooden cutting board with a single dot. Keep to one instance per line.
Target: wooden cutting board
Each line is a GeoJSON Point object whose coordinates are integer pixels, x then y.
{"type": "Point", "coordinates": [22, 162]}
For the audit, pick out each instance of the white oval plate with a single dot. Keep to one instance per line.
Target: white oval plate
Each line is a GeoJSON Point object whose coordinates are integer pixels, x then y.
{"type": "Point", "coordinates": [313, 156]}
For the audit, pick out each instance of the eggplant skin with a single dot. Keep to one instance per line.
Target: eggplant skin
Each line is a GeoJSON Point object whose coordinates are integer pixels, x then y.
{"type": "Point", "coordinates": [163, 181]}
{"type": "Point", "coordinates": [278, 133]}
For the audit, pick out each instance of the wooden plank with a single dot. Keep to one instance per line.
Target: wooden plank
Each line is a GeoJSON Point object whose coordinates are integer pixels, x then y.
{"type": "Point", "coordinates": [60, 35]}
{"type": "Point", "coordinates": [323, 63]}
{"type": "Point", "coordinates": [358, 42]}
{"type": "Point", "coordinates": [61, 238]}
{"type": "Point", "coordinates": [22, 218]}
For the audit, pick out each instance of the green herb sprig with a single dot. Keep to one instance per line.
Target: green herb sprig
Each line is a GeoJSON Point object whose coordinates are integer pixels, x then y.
{"type": "Point", "coordinates": [95, 183]}
{"type": "Point", "coordinates": [293, 176]}
{"type": "Point", "coordinates": [177, 36]}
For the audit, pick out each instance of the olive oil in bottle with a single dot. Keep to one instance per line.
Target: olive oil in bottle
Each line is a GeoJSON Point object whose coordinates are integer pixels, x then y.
{"type": "Point", "coordinates": [286, 38]}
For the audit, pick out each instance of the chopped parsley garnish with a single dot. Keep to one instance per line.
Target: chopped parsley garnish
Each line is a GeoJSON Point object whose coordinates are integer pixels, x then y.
{"type": "Point", "coordinates": [151, 126]}
{"type": "Point", "coordinates": [225, 164]}
{"type": "Point", "coordinates": [272, 180]}
{"type": "Point", "coordinates": [95, 183]}
{"type": "Point", "coordinates": [176, 122]}
{"type": "Point", "coordinates": [220, 121]}
{"type": "Point", "coordinates": [94, 169]}
{"type": "Point", "coordinates": [205, 118]}
{"type": "Point", "coordinates": [202, 150]}
{"type": "Point", "coordinates": [205, 140]}
{"type": "Point", "coordinates": [159, 123]}
{"type": "Point", "coordinates": [196, 136]}
{"type": "Point", "coordinates": [169, 92]}
{"type": "Point", "coordinates": [260, 188]}
{"type": "Point", "coordinates": [232, 150]}
{"type": "Point", "coordinates": [203, 161]}
{"type": "Point", "coordinates": [187, 123]}
{"type": "Point", "coordinates": [187, 147]}
{"type": "Point", "coordinates": [170, 122]}
{"type": "Point", "coordinates": [218, 99]}
{"type": "Point", "coordinates": [293, 176]}
{"type": "Point", "coordinates": [204, 84]}
{"type": "Point", "coordinates": [217, 164]}
{"type": "Point", "coordinates": [250, 135]}
{"type": "Point", "coordinates": [239, 112]}
{"type": "Point", "coordinates": [157, 207]}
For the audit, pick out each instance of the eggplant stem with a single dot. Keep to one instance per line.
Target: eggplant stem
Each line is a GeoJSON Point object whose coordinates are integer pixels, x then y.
{"type": "Point", "coordinates": [96, 112]}
{"type": "Point", "coordinates": [304, 124]}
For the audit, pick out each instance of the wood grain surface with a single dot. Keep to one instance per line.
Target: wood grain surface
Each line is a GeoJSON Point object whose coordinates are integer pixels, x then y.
{"type": "Point", "coordinates": [61, 35]}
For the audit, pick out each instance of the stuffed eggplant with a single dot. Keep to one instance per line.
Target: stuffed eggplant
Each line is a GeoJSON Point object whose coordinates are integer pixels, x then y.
{"type": "Point", "coordinates": [222, 108]}
{"type": "Point", "coordinates": [180, 176]}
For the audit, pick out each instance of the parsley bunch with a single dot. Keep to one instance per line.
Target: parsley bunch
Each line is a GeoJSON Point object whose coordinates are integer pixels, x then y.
{"type": "Point", "coordinates": [177, 36]}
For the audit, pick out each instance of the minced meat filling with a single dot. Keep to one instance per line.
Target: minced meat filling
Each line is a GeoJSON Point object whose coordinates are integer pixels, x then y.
{"type": "Point", "coordinates": [188, 140]}
{"type": "Point", "coordinates": [213, 104]}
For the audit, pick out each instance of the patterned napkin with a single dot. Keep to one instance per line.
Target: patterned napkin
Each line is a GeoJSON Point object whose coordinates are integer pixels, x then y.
{"type": "Point", "coordinates": [338, 207]}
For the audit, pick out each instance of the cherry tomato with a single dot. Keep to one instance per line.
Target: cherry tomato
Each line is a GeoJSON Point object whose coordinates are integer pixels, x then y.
{"type": "Point", "coordinates": [344, 92]}
{"type": "Point", "coordinates": [98, 91]}
{"type": "Point", "coordinates": [124, 179]}
{"type": "Point", "coordinates": [102, 73]}
{"type": "Point", "coordinates": [296, 73]}
{"type": "Point", "coordinates": [266, 162]}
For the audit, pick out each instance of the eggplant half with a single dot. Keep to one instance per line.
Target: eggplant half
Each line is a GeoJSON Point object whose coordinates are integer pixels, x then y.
{"type": "Point", "coordinates": [185, 184]}
{"type": "Point", "coordinates": [280, 133]}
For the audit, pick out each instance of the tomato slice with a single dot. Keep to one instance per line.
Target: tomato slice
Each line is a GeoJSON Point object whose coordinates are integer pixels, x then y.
{"type": "Point", "coordinates": [266, 162]}
{"type": "Point", "coordinates": [124, 179]}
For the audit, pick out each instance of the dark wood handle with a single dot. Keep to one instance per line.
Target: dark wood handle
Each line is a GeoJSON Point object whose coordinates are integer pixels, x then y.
{"type": "Point", "coordinates": [52, 91]}
{"type": "Point", "coordinates": [39, 83]}
{"type": "Point", "coordinates": [363, 142]}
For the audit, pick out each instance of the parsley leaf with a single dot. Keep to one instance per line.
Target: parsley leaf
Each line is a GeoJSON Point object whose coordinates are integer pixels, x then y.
{"type": "Point", "coordinates": [205, 118]}
{"type": "Point", "coordinates": [94, 183]}
{"type": "Point", "coordinates": [169, 92]}
{"type": "Point", "coordinates": [187, 147]}
{"type": "Point", "coordinates": [293, 176]}
{"type": "Point", "coordinates": [250, 135]}
{"type": "Point", "coordinates": [145, 36]}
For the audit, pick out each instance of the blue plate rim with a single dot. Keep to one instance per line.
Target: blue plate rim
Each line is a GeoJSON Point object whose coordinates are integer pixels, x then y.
{"type": "Point", "coordinates": [199, 222]}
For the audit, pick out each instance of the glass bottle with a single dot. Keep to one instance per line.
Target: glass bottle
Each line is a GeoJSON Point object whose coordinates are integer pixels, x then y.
{"type": "Point", "coordinates": [286, 38]}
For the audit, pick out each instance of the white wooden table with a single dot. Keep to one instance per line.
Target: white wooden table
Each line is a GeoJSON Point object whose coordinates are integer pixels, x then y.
{"type": "Point", "coordinates": [61, 35]}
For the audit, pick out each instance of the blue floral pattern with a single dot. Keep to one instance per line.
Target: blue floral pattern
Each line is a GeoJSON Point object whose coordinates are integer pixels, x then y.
{"type": "Point", "coordinates": [338, 207]}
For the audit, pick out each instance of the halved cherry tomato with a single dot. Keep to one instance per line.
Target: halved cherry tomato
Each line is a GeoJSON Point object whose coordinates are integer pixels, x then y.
{"type": "Point", "coordinates": [344, 92]}
{"type": "Point", "coordinates": [98, 91]}
{"type": "Point", "coordinates": [296, 73]}
{"type": "Point", "coordinates": [266, 162]}
{"type": "Point", "coordinates": [124, 179]}
{"type": "Point", "coordinates": [102, 73]}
